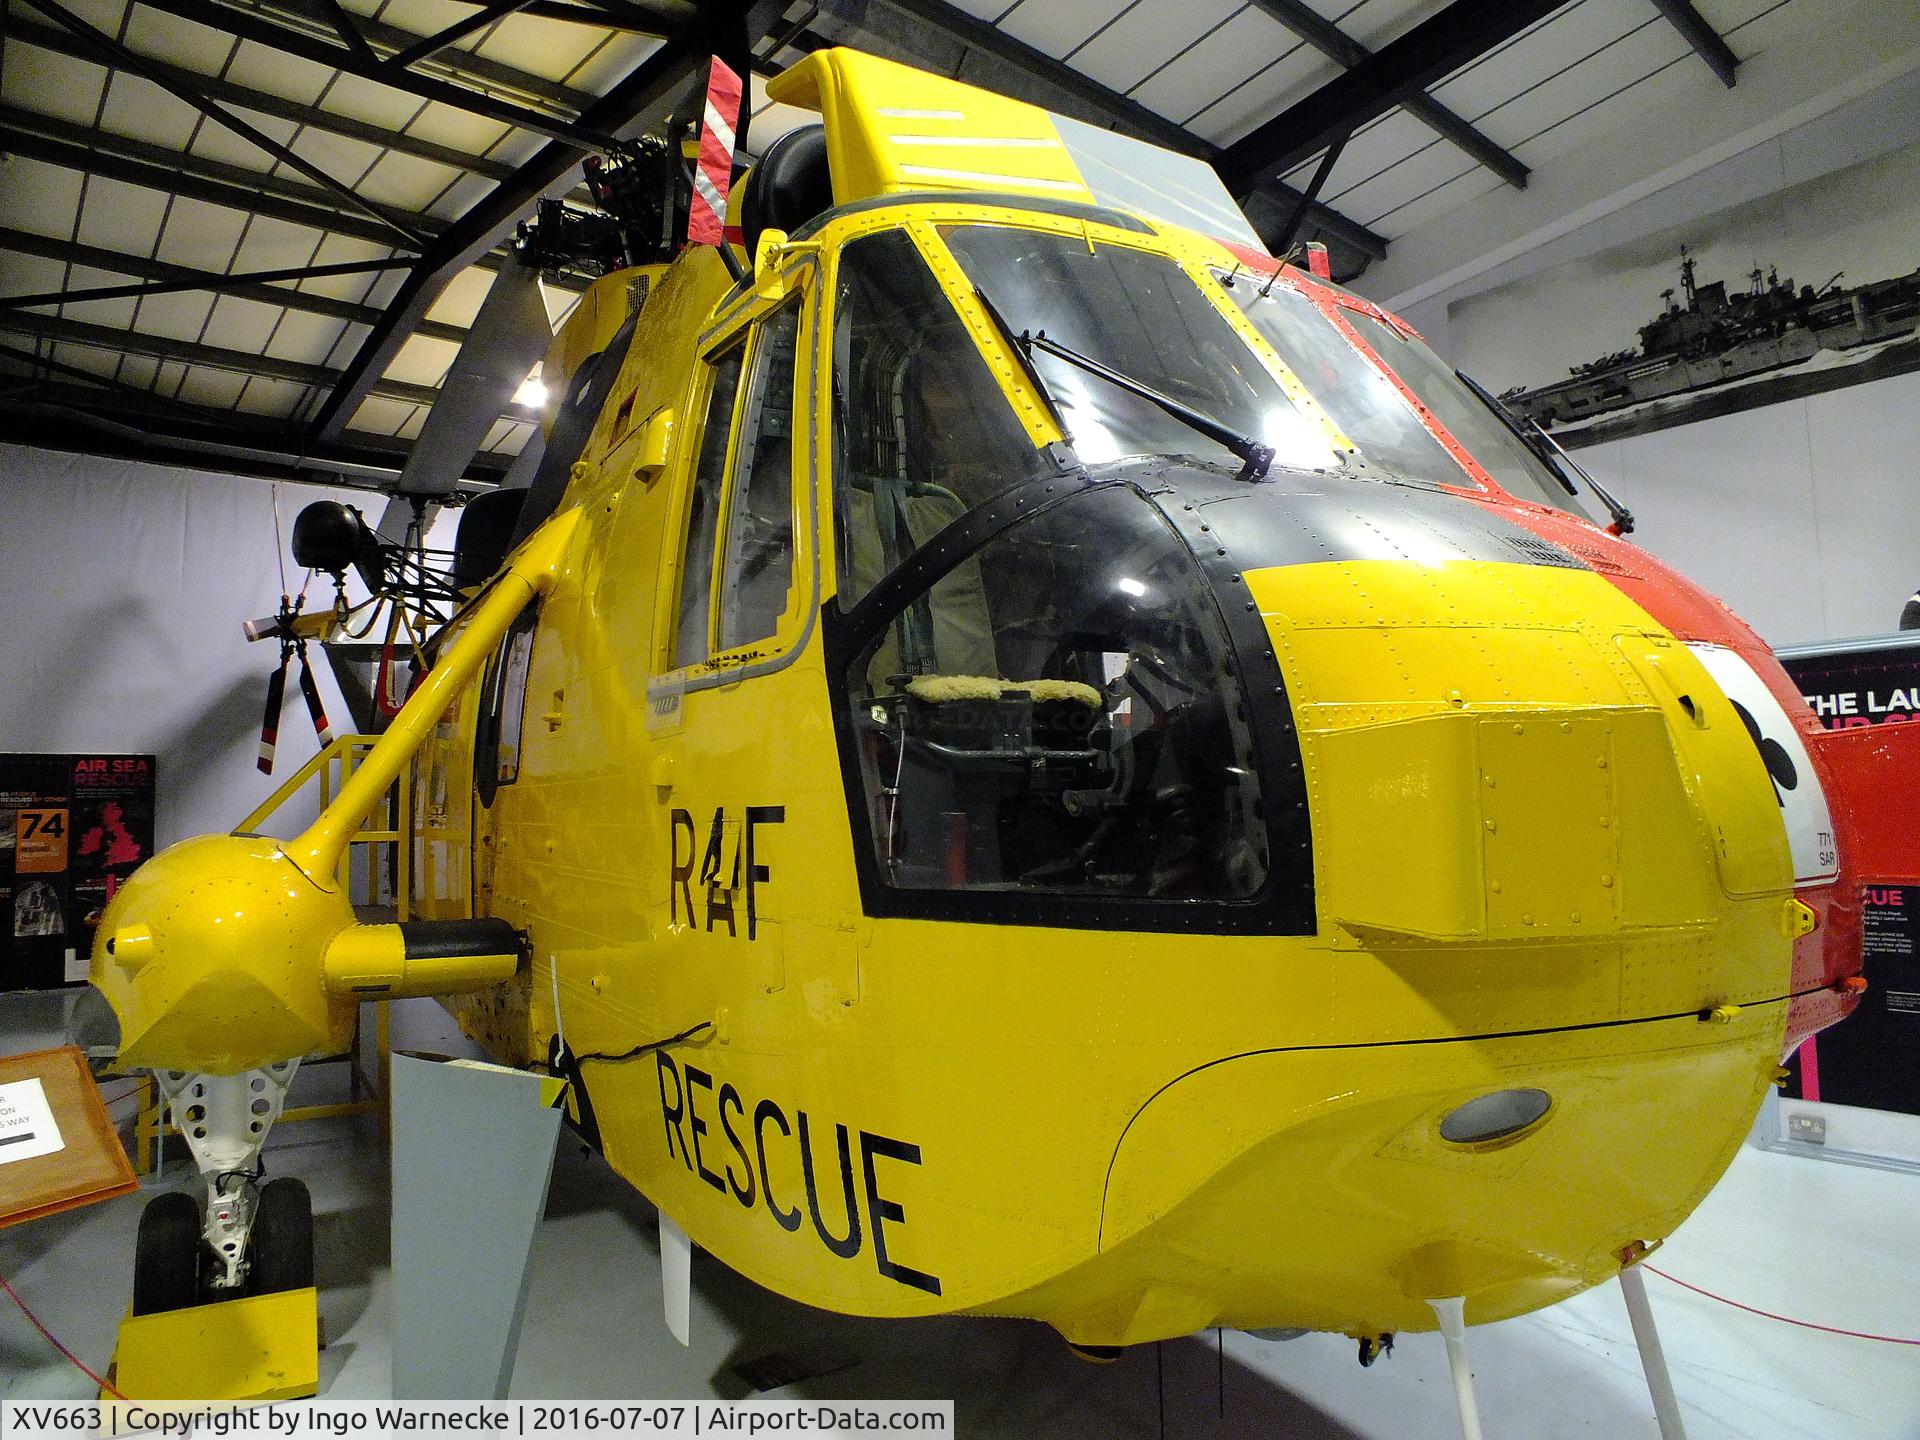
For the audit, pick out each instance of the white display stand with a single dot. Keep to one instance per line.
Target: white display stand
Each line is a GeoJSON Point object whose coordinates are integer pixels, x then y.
{"type": "Point", "coordinates": [473, 1152]}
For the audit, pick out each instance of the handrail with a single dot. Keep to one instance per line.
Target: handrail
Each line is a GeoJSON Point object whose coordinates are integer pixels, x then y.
{"type": "Point", "coordinates": [370, 765]}
{"type": "Point", "coordinates": [533, 570]}
{"type": "Point", "coordinates": [339, 749]}
{"type": "Point", "coordinates": [385, 824]}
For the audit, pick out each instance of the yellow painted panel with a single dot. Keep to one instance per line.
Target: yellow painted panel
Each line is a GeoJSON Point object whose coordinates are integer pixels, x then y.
{"type": "Point", "coordinates": [1345, 1146]}
{"type": "Point", "coordinates": [891, 128]}
{"type": "Point", "coordinates": [594, 320]}
{"type": "Point", "coordinates": [260, 1347]}
{"type": "Point", "coordinates": [1666, 877]}
{"type": "Point", "coordinates": [1550, 825]}
{"type": "Point", "coordinates": [1395, 827]}
{"type": "Point", "coordinates": [1720, 763]}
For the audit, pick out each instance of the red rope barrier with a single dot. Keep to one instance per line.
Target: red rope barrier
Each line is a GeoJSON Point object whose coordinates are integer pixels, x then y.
{"type": "Point", "coordinates": [1783, 1319]}
{"type": "Point", "coordinates": [72, 1358]}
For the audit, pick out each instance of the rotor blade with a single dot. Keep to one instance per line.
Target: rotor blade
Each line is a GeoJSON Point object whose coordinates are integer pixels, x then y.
{"type": "Point", "coordinates": [508, 337]}
{"type": "Point", "coordinates": [520, 474]}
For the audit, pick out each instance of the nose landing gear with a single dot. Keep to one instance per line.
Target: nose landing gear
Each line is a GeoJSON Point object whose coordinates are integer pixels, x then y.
{"type": "Point", "coordinates": [223, 1300]}
{"type": "Point", "coordinates": [225, 1119]}
{"type": "Point", "coordinates": [167, 1255]}
{"type": "Point", "coordinates": [248, 1239]}
{"type": "Point", "coordinates": [174, 1270]}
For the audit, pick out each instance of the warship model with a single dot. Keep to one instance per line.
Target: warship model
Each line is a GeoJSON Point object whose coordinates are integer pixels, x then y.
{"type": "Point", "coordinates": [1715, 337]}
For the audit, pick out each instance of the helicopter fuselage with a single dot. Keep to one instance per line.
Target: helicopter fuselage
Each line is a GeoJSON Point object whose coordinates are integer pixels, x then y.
{"type": "Point", "coordinates": [1096, 888]}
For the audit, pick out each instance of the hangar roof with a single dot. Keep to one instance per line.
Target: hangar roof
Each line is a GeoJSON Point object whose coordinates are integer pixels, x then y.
{"type": "Point", "coordinates": [254, 233]}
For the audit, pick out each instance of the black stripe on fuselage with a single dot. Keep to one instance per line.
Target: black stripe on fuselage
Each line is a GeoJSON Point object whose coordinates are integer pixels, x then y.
{"type": "Point", "coordinates": [1302, 519]}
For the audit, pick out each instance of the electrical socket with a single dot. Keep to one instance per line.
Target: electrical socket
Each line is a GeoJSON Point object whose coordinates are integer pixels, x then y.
{"type": "Point", "coordinates": [1809, 1129]}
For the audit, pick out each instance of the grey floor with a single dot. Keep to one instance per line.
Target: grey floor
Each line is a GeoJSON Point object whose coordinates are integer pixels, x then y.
{"type": "Point", "coordinates": [1822, 1241]}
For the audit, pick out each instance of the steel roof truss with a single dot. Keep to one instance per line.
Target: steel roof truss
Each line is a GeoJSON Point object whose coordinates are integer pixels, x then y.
{"type": "Point", "coordinates": [1423, 56]}
{"type": "Point", "coordinates": [115, 54]}
{"type": "Point", "coordinates": [1333, 42]}
{"type": "Point", "coordinates": [254, 26]}
{"type": "Point", "coordinates": [1705, 40]}
{"type": "Point", "coordinates": [280, 106]}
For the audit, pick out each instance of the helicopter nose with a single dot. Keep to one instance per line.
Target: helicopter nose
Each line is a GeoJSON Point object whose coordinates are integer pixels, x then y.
{"type": "Point", "coordinates": [1322, 1189]}
{"type": "Point", "coordinates": [210, 957]}
{"type": "Point", "coordinates": [1557, 892]}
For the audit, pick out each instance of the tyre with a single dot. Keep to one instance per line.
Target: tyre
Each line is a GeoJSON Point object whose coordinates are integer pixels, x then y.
{"type": "Point", "coordinates": [281, 1247]}
{"type": "Point", "coordinates": [166, 1256]}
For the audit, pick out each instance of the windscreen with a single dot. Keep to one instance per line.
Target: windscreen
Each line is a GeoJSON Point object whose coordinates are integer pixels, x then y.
{"type": "Point", "coordinates": [1467, 418]}
{"type": "Point", "coordinates": [1142, 315]}
{"type": "Point", "coordinates": [1364, 403]}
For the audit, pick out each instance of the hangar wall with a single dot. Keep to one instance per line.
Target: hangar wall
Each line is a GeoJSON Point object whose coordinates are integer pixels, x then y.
{"type": "Point", "coordinates": [123, 586]}
{"type": "Point", "coordinates": [1863, 220]}
{"type": "Point", "coordinates": [1799, 515]}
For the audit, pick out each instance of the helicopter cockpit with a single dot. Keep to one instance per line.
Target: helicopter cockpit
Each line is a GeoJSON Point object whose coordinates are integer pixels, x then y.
{"type": "Point", "coordinates": [1048, 695]}
{"type": "Point", "coordinates": [1050, 706]}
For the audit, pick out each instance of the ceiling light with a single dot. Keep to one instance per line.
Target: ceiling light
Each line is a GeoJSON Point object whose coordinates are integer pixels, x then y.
{"type": "Point", "coordinates": [532, 393]}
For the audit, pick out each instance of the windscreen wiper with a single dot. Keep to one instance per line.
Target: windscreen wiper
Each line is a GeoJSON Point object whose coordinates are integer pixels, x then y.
{"type": "Point", "coordinates": [1534, 436]}
{"type": "Point", "coordinates": [1617, 513]}
{"type": "Point", "coordinates": [1255, 458]}
{"type": "Point", "coordinates": [1018, 344]}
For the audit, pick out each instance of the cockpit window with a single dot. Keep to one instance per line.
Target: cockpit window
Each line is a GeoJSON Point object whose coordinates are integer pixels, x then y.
{"type": "Point", "coordinates": [922, 431]}
{"type": "Point", "coordinates": [1350, 388]}
{"type": "Point", "coordinates": [756, 560]}
{"type": "Point", "coordinates": [1467, 418]}
{"type": "Point", "coordinates": [703, 512]}
{"type": "Point", "coordinates": [1142, 315]}
{"type": "Point", "coordinates": [1061, 714]}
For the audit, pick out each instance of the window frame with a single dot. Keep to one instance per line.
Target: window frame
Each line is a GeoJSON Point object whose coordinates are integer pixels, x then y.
{"type": "Point", "coordinates": [1566, 503]}
{"type": "Point", "coordinates": [1001, 366]}
{"type": "Point", "coordinates": [741, 325]}
{"type": "Point", "coordinates": [1333, 307]}
{"type": "Point", "coordinates": [749, 398]}
{"type": "Point", "coordinates": [681, 561]}
{"type": "Point", "coordinates": [1285, 903]}
{"type": "Point", "coordinates": [1340, 305]}
{"type": "Point", "coordinates": [488, 782]}
{"type": "Point", "coordinates": [1307, 407]}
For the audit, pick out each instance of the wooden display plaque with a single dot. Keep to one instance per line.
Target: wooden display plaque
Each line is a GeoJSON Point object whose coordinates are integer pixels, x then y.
{"type": "Point", "coordinates": [58, 1148]}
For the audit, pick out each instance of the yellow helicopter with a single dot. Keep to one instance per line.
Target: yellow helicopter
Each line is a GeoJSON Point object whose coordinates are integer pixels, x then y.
{"type": "Point", "coordinates": [1026, 758]}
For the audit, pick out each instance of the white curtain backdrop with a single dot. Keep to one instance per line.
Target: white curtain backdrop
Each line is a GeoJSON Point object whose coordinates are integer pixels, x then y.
{"type": "Point", "coordinates": [122, 591]}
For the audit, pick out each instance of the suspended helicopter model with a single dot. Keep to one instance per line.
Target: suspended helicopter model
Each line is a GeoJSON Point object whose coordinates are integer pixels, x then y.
{"type": "Point", "coordinates": [1025, 758]}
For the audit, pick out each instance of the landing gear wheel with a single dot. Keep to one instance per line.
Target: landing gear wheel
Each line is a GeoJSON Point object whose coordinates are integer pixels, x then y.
{"type": "Point", "coordinates": [166, 1255]}
{"type": "Point", "coordinates": [281, 1248]}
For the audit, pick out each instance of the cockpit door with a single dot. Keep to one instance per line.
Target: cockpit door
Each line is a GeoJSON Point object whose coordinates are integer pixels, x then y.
{"type": "Point", "coordinates": [740, 600]}
{"type": "Point", "coordinates": [739, 587]}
